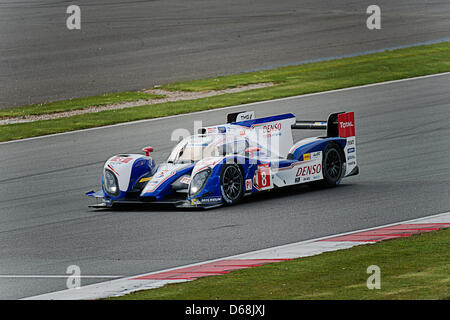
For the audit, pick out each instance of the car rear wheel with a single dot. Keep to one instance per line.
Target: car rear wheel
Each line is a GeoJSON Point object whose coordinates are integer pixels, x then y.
{"type": "Point", "coordinates": [333, 165]}
{"type": "Point", "coordinates": [231, 183]}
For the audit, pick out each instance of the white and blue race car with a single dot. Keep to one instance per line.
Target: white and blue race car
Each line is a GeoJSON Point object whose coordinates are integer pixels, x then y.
{"type": "Point", "coordinates": [222, 164]}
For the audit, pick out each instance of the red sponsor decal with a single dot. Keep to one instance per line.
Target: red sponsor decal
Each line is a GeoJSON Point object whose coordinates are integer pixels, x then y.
{"type": "Point", "coordinates": [263, 176]}
{"type": "Point", "coordinates": [248, 184]}
{"type": "Point", "coordinates": [308, 170]}
{"type": "Point", "coordinates": [346, 124]}
{"type": "Point", "coordinates": [185, 180]}
{"type": "Point", "coordinates": [121, 159]}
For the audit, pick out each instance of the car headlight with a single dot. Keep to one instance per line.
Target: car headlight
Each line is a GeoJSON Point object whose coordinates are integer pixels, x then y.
{"type": "Point", "coordinates": [110, 182]}
{"type": "Point", "coordinates": [199, 180]}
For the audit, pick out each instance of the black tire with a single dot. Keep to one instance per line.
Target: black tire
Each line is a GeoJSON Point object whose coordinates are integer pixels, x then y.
{"type": "Point", "coordinates": [332, 165]}
{"type": "Point", "coordinates": [231, 183]}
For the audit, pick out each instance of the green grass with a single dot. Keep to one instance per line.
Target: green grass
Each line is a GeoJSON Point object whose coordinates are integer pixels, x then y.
{"type": "Point", "coordinates": [333, 74]}
{"type": "Point", "coordinates": [412, 268]}
{"type": "Point", "coordinates": [76, 104]}
{"type": "Point", "coordinates": [289, 81]}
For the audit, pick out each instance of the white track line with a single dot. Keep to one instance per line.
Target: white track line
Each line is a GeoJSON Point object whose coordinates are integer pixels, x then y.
{"type": "Point", "coordinates": [232, 107]}
{"type": "Point", "coordinates": [311, 247]}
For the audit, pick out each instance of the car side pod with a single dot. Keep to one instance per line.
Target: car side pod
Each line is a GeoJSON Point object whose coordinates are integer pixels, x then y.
{"type": "Point", "coordinates": [339, 125]}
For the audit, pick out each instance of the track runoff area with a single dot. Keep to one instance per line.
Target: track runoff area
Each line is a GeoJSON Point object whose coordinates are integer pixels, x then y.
{"type": "Point", "coordinates": [258, 309]}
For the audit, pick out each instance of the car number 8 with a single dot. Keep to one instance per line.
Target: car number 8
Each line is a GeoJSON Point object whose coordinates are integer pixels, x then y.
{"type": "Point", "coordinates": [264, 176]}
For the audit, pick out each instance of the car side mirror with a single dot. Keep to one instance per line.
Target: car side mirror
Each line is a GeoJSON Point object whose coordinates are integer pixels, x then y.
{"type": "Point", "coordinates": [147, 150]}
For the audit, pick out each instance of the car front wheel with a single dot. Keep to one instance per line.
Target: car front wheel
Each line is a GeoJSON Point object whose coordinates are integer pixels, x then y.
{"type": "Point", "coordinates": [231, 183]}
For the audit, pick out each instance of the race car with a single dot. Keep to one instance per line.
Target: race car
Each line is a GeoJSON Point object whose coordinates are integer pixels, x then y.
{"type": "Point", "coordinates": [222, 164]}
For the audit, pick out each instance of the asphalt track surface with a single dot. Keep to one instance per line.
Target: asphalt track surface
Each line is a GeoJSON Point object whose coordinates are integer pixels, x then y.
{"type": "Point", "coordinates": [403, 138]}
{"type": "Point", "coordinates": [136, 44]}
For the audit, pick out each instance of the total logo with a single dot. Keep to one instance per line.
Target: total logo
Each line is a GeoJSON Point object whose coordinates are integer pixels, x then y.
{"type": "Point", "coordinates": [346, 124]}
{"type": "Point", "coordinates": [309, 170]}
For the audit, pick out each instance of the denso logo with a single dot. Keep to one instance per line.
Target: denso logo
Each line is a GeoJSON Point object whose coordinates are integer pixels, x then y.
{"type": "Point", "coordinates": [272, 128]}
{"type": "Point", "coordinates": [308, 170]}
{"type": "Point", "coordinates": [346, 124]}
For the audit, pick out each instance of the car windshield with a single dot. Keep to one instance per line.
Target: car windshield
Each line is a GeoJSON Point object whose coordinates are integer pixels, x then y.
{"type": "Point", "coordinates": [198, 147]}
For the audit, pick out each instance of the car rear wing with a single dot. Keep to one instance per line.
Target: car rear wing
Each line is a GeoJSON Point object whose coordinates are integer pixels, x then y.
{"type": "Point", "coordinates": [339, 124]}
